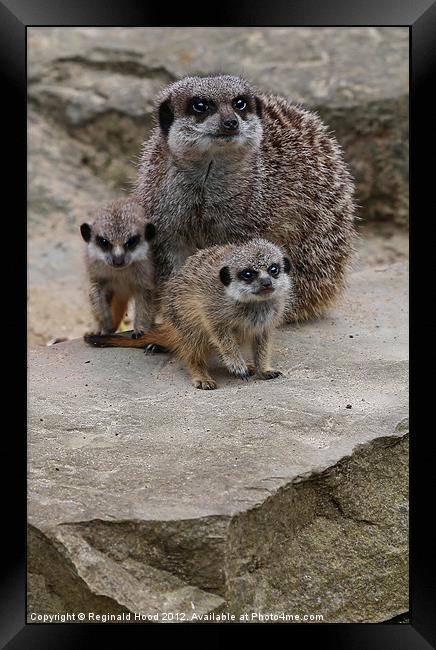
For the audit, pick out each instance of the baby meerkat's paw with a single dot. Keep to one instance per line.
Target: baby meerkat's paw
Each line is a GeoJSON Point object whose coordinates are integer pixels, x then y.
{"type": "Point", "coordinates": [208, 384]}
{"type": "Point", "coordinates": [270, 374]}
{"type": "Point", "coordinates": [100, 332]}
{"type": "Point", "coordinates": [137, 334]}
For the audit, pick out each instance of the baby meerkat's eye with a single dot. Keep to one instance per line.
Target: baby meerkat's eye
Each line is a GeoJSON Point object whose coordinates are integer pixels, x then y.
{"type": "Point", "coordinates": [240, 103]}
{"type": "Point", "coordinates": [132, 242]}
{"type": "Point", "coordinates": [200, 105]}
{"type": "Point", "coordinates": [274, 269]}
{"type": "Point", "coordinates": [248, 274]}
{"type": "Point", "coordinates": [103, 243]}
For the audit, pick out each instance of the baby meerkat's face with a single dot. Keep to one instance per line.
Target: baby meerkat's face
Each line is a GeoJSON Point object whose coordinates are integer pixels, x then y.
{"type": "Point", "coordinates": [262, 275]}
{"type": "Point", "coordinates": [211, 115]}
{"type": "Point", "coordinates": [118, 253]}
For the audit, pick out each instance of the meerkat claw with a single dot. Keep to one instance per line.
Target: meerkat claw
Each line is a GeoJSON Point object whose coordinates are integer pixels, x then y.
{"type": "Point", "coordinates": [210, 384]}
{"type": "Point", "coordinates": [271, 374]}
{"type": "Point", "coordinates": [153, 348]}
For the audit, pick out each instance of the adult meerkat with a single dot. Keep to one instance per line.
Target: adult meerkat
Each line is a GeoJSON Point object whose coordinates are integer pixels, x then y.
{"type": "Point", "coordinates": [226, 163]}
{"type": "Point", "coordinates": [119, 265]}
{"type": "Point", "coordinates": [221, 297]}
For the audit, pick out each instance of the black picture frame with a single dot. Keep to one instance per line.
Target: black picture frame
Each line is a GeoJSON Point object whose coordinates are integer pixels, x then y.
{"type": "Point", "coordinates": [15, 17]}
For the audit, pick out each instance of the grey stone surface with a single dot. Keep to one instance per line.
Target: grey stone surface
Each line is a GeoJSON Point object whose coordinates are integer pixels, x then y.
{"type": "Point", "coordinates": [289, 496]}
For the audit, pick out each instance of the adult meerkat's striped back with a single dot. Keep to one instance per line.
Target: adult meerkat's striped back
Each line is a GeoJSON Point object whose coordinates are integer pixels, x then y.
{"type": "Point", "coordinates": [220, 297]}
{"type": "Point", "coordinates": [226, 163]}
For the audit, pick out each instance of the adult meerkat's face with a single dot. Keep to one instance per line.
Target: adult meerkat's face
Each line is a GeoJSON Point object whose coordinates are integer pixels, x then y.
{"type": "Point", "coordinates": [202, 115]}
{"type": "Point", "coordinates": [119, 235]}
{"type": "Point", "coordinates": [257, 272]}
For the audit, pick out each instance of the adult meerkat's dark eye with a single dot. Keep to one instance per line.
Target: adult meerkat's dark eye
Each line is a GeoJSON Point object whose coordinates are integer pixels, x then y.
{"type": "Point", "coordinates": [248, 274]}
{"type": "Point", "coordinates": [240, 103]}
{"type": "Point", "coordinates": [200, 105]}
{"type": "Point", "coordinates": [274, 270]}
{"type": "Point", "coordinates": [132, 242]}
{"type": "Point", "coordinates": [103, 243]}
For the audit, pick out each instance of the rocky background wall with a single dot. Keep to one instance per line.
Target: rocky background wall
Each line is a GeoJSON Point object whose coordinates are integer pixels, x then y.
{"type": "Point", "coordinates": [90, 101]}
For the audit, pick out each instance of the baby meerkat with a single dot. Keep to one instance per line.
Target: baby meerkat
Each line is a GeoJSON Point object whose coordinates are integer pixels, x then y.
{"type": "Point", "coordinates": [120, 265]}
{"type": "Point", "coordinates": [221, 297]}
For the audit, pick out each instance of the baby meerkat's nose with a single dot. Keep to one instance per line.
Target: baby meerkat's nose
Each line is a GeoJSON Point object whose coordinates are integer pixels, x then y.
{"type": "Point", "coordinates": [118, 260]}
{"type": "Point", "coordinates": [118, 257]}
{"type": "Point", "coordinates": [266, 282]}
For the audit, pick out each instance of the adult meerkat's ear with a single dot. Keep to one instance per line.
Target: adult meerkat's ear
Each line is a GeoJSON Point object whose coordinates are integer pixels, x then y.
{"type": "Point", "coordinates": [150, 231]}
{"type": "Point", "coordinates": [85, 229]}
{"type": "Point", "coordinates": [225, 276]}
{"type": "Point", "coordinates": [166, 115]}
{"type": "Point", "coordinates": [286, 265]}
{"type": "Point", "coordinates": [259, 106]}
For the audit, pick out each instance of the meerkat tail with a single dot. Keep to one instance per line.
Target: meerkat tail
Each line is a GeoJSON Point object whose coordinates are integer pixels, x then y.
{"type": "Point", "coordinates": [156, 336]}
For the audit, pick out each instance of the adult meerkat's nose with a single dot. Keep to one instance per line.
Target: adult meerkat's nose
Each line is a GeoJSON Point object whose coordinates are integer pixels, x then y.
{"type": "Point", "coordinates": [230, 124]}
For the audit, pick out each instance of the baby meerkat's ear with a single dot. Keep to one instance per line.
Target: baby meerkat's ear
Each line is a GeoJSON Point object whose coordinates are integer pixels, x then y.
{"type": "Point", "coordinates": [166, 115]}
{"type": "Point", "coordinates": [259, 106]}
{"type": "Point", "coordinates": [85, 229]}
{"type": "Point", "coordinates": [286, 265]}
{"type": "Point", "coordinates": [225, 276]}
{"type": "Point", "coordinates": [150, 231]}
